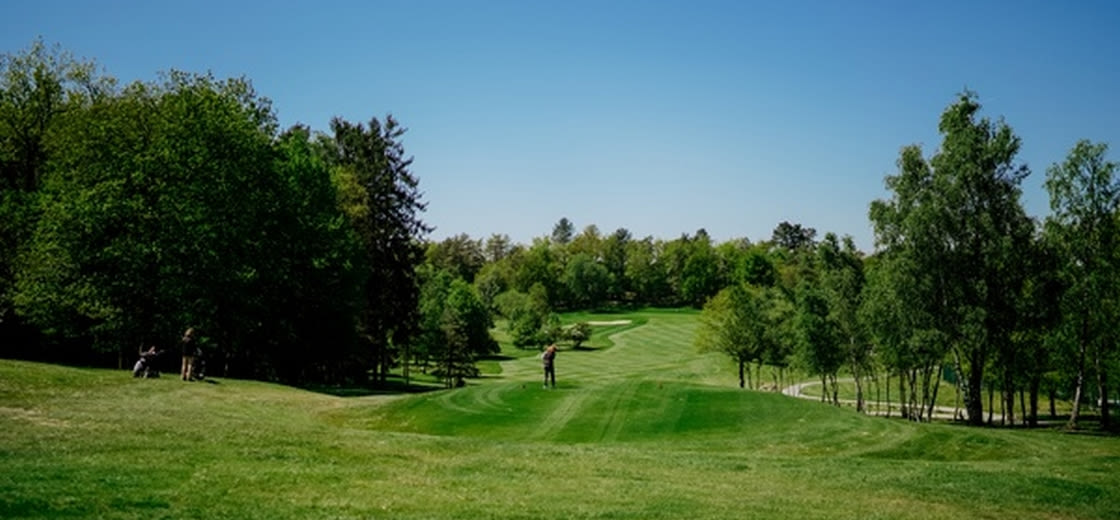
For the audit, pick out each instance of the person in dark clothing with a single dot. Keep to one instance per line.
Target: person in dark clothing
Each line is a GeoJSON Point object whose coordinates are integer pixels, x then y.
{"type": "Point", "coordinates": [549, 360]}
{"type": "Point", "coordinates": [189, 346]}
{"type": "Point", "coordinates": [145, 366]}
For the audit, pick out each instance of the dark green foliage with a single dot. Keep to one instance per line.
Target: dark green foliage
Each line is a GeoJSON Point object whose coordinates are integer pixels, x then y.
{"type": "Point", "coordinates": [588, 281]}
{"type": "Point", "coordinates": [958, 219]}
{"type": "Point", "coordinates": [578, 333]}
{"type": "Point", "coordinates": [465, 324]}
{"type": "Point", "coordinates": [459, 254]}
{"type": "Point", "coordinates": [563, 230]}
{"type": "Point", "coordinates": [129, 215]}
{"type": "Point", "coordinates": [530, 317]}
{"type": "Point", "coordinates": [175, 205]}
{"type": "Point", "coordinates": [793, 236]}
{"type": "Point", "coordinates": [818, 337]}
{"type": "Point", "coordinates": [385, 217]}
{"type": "Point", "coordinates": [1085, 198]}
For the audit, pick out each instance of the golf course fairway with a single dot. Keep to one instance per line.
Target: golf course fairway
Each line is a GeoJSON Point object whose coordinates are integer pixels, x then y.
{"type": "Point", "coordinates": [640, 426]}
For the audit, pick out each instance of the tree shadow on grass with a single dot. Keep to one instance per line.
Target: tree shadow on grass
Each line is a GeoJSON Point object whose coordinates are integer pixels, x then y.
{"type": "Point", "coordinates": [391, 387]}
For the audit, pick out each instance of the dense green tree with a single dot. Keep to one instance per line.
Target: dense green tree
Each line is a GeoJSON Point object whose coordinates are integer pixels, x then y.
{"type": "Point", "coordinates": [145, 222]}
{"type": "Point", "coordinates": [311, 285]}
{"type": "Point", "coordinates": [578, 333]}
{"type": "Point", "coordinates": [39, 87]}
{"type": "Point", "coordinates": [529, 315]}
{"type": "Point", "coordinates": [733, 322]}
{"type": "Point", "coordinates": [646, 272]}
{"type": "Point", "coordinates": [793, 236]}
{"type": "Point", "coordinates": [1085, 199]}
{"type": "Point", "coordinates": [540, 265]}
{"type": "Point", "coordinates": [465, 323]}
{"type": "Point", "coordinates": [700, 277]}
{"type": "Point", "coordinates": [588, 242]}
{"type": "Point", "coordinates": [818, 338]}
{"type": "Point", "coordinates": [459, 254]}
{"type": "Point", "coordinates": [614, 259]}
{"type": "Point", "coordinates": [960, 216]}
{"type": "Point", "coordinates": [430, 339]}
{"type": "Point", "coordinates": [749, 325]}
{"type": "Point", "coordinates": [1039, 314]}
{"type": "Point", "coordinates": [588, 281]}
{"type": "Point", "coordinates": [842, 279]}
{"type": "Point", "coordinates": [495, 278]}
{"type": "Point", "coordinates": [498, 246]}
{"type": "Point", "coordinates": [563, 230]}
{"type": "Point", "coordinates": [390, 229]}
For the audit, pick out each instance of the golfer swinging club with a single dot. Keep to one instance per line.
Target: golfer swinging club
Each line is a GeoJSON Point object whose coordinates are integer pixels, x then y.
{"type": "Point", "coordinates": [548, 358]}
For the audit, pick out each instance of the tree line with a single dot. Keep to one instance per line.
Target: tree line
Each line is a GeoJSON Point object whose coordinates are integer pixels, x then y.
{"type": "Point", "coordinates": [128, 213]}
{"type": "Point", "coordinates": [963, 287]}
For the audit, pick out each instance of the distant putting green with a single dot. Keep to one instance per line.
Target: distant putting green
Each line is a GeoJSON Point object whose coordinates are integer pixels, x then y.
{"type": "Point", "coordinates": [640, 427]}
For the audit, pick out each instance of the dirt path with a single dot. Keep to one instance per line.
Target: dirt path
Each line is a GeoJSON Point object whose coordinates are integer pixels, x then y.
{"type": "Point", "coordinates": [873, 407]}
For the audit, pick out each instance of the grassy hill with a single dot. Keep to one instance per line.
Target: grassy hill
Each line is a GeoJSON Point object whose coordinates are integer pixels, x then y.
{"type": "Point", "coordinates": [640, 426]}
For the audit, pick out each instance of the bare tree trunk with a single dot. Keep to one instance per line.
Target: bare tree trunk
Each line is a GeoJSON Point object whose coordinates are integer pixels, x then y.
{"type": "Point", "coordinates": [957, 368]}
{"type": "Point", "coordinates": [973, 397]}
{"type": "Point", "coordinates": [742, 379]}
{"type": "Point", "coordinates": [1053, 410]}
{"type": "Point", "coordinates": [917, 409]}
{"type": "Point", "coordinates": [887, 384]}
{"type": "Point", "coordinates": [1073, 415]}
{"type": "Point", "coordinates": [1008, 397]}
{"type": "Point", "coordinates": [991, 401]}
{"type": "Point", "coordinates": [1023, 407]}
{"type": "Point", "coordinates": [936, 387]}
{"type": "Point", "coordinates": [902, 399]}
{"type": "Point", "coordinates": [1032, 420]}
{"type": "Point", "coordinates": [1102, 390]}
{"type": "Point", "coordinates": [856, 373]}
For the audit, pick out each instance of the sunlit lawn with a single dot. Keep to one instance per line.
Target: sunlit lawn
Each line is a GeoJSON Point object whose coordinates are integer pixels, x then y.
{"type": "Point", "coordinates": [646, 428]}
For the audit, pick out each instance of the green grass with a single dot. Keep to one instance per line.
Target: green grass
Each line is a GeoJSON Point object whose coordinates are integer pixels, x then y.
{"type": "Point", "coordinates": [642, 428]}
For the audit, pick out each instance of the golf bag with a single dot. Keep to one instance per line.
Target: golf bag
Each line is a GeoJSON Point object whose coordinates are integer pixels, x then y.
{"type": "Point", "coordinates": [146, 366]}
{"type": "Point", "coordinates": [198, 368]}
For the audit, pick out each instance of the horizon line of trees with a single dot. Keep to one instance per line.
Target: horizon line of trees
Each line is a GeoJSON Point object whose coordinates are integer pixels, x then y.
{"type": "Point", "coordinates": [128, 213]}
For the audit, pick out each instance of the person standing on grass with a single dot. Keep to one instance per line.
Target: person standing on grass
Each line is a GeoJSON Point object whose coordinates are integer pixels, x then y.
{"type": "Point", "coordinates": [188, 354]}
{"type": "Point", "coordinates": [549, 360]}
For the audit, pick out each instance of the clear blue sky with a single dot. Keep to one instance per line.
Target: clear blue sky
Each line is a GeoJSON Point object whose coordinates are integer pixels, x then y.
{"type": "Point", "coordinates": [660, 117]}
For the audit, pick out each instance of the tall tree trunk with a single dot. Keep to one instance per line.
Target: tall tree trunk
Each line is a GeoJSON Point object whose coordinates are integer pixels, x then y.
{"type": "Point", "coordinates": [974, 399]}
{"type": "Point", "coordinates": [742, 378]}
{"type": "Point", "coordinates": [1080, 384]}
{"type": "Point", "coordinates": [957, 384]}
{"type": "Point", "coordinates": [859, 393]}
{"type": "Point", "coordinates": [991, 404]}
{"type": "Point", "coordinates": [1053, 409]}
{"type": "Point", "coordinates": [902, 395]}
{"type": "Point", "coordinates": [1102, 390]}
{"type": "Point", "coordinates": [887, 385]}
{"type": "Point", "coordinates": [1032, 418]}
{"type": "Point", "coordinates": [1009, 397]}
{"type": "Point", "coordinates": [936, 387]}
{"type": "Point", "coordinates": [914, 408]}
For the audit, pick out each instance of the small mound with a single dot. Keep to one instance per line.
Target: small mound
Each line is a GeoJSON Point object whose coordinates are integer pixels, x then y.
{"type": "Point", "coordinates": [945, 443]}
